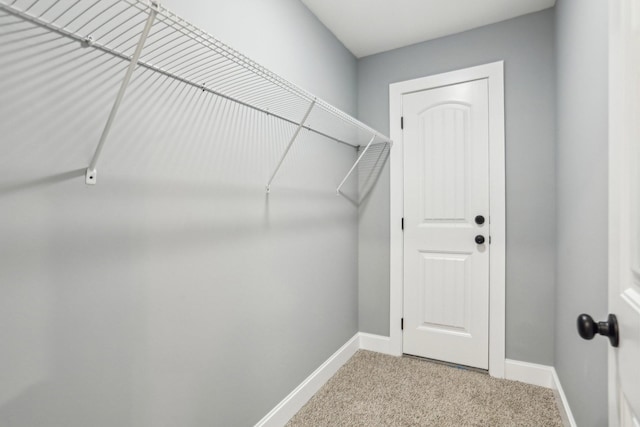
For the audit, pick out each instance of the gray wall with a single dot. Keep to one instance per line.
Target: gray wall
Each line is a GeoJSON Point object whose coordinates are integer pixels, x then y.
{"type": "Point", "coordinates": [581, 29]}
{"type": "Point", "coordinates": [174, 292]}
{"type": "Point", "coordinates": [526, 44]}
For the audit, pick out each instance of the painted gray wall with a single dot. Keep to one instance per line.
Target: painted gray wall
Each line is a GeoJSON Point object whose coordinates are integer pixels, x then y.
{"type": "Point", "coordinates": [581, 31]}
{"type": "Point", "coordinates": [526, 44]}
{"type": "Point", "coordinates": [173, 293]}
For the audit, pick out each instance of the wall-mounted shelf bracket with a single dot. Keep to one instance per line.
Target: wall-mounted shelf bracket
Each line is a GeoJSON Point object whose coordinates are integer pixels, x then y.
{"type": "Point", "coordinates": [91, 173]}
{"type": "Point", "coordinates": [293, 139]}
{"type": "Point", "coordinates": [354, 165]}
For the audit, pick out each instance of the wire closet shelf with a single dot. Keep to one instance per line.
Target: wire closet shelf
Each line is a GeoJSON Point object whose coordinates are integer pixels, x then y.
{"type": "Point", "coordinates": [147, 35]}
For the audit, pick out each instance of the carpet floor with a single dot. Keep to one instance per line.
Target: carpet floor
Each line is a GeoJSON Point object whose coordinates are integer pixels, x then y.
{"type": "Point", "coordinates": [374, 389]}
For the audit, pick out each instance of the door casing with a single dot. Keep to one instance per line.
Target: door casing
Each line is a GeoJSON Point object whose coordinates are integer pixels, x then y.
{"type": "Point", "coordinates": [494, 72]}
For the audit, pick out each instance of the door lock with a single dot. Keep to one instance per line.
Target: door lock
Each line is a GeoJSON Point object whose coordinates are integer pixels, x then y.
{"type": "Point", "coordinates": [479, 219]}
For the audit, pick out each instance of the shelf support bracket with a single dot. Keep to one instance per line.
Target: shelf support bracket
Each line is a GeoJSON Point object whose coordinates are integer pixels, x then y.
{"type": "Point", "coordinates": [293, 139]}
{"type": "Point", "coordinates": [354, 165]}
{"type": "Point", "coordinates": [91, 173]}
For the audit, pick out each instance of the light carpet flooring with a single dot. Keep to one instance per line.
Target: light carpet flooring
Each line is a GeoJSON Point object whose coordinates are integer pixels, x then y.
{"type": "Point", "coordinates": [373, 389]}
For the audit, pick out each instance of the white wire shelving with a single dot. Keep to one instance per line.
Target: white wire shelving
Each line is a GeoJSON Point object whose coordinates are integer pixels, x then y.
{"type": "Point", "coordinates": [147, 35]}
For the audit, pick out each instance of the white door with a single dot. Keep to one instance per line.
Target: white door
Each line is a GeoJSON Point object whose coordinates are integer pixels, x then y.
{"type": "Point", "coordinates": [446, 191]}
{"type": "Point", "coordinates": [624, 212]}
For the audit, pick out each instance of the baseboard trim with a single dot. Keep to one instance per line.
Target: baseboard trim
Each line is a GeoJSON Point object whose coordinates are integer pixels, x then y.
{"type": "Point", "coordinates": [530, 373]}
{"type": "Point", "coordinates": [563, 403]}
{"type": "Point", "coordinates": [291, 404]}
{"type": "Point", "coordinates": [515, 370]}
{"type": "Point", "coordinates": [544, 376]}
{"type": "Point", "coordinates": [376, 343]}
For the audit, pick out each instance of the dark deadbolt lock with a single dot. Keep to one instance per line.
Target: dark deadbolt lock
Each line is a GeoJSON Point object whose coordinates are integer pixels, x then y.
{"type": "Point", "coordinates": [588, 328]}
{"type": "Point", "coordinates": [479, 220]}
{"type": "Point", "coordinates": [479, 239]}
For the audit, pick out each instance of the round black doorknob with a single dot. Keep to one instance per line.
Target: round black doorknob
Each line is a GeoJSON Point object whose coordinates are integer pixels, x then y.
{"type": "Point", "coordinates": [479, 220]}
{"type": "Point", "coordinates": [588, 328]}
{"type": "Point", "coordinates": [479, 239]}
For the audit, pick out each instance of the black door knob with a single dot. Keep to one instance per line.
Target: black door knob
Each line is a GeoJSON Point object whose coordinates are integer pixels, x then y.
{"type": "Point", "coordinates": [479, 220]}
{"type": "Point", "coordinates": [479, 239]}
{"type": "Point", "coordinates": [588, 328]}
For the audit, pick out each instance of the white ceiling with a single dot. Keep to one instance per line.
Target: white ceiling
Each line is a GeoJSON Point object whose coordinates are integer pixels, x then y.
{"type": "Point", "coordinates": [372, 26]}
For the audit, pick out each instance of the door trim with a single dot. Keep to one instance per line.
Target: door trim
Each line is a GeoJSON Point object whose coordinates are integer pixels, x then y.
{"type": "Point", "coordinates": [495, 75]}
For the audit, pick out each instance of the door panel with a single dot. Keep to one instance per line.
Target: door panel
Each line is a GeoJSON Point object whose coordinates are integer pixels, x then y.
{"type": "Point", "coordinates": [444, 291]}
{"type": "Point", "coordinates": [444, 148]}
{"type": "Point", "coordinates": [624, 210]}
{"type": "Point", "coordinates": [446, 286]}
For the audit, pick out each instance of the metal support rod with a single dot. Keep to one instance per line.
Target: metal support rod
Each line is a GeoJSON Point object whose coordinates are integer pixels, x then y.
{"type": "Point", "coordinates": [355, 164]}
{"type": "Point", "coordinates": [90, 177]}
{"type": "Point", "coordinates": [293, 139]}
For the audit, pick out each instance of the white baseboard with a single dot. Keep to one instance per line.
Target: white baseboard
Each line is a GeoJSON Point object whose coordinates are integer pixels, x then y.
{"type": "Point", "coordinates": [530, 373]}
{"type": "Point", "coordinates": [544, 376]}
{"type": "Point", "coordinates": [291, 404]}
{"type": "Point", "coordinates": [375, 343]}
{"type": "Point", "coordinates": [563, 403]}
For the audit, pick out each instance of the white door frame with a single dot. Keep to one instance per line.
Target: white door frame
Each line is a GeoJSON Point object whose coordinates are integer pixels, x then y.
{"type": "Point", "coordinates": [495, 75]}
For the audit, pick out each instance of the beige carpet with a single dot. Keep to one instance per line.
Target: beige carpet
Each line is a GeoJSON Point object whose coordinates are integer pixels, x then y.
{"type": "Point", "coordinates": [373, 389]}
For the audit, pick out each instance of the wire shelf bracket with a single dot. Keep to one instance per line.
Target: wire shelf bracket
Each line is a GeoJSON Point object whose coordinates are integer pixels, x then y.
{"type": "Point", "coordinates": [293, 139]}
{"type": "Point", "coordinates": [354, 165]}
{"type": "Point", "coordinates": [91, 175]}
